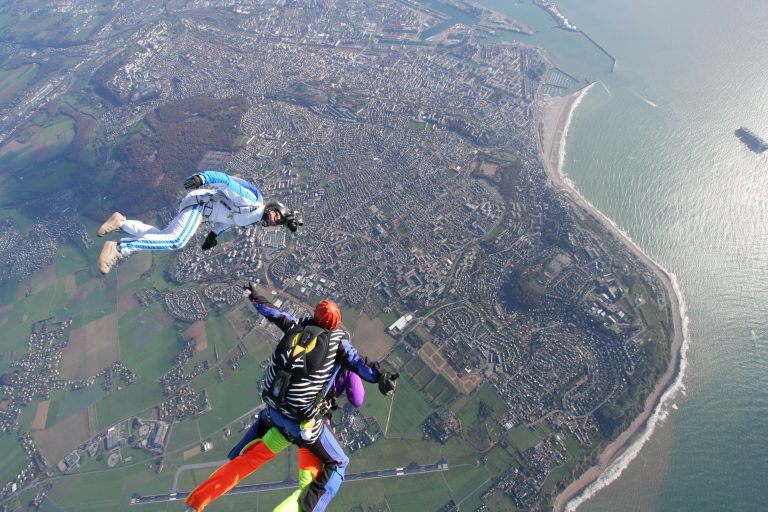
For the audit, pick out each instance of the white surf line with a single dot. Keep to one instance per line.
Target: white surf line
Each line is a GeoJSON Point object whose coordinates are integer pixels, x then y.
{"type": "Point", "coordinates": [659, 415]}
{"type": "Point", "coordinates": [564, 136]}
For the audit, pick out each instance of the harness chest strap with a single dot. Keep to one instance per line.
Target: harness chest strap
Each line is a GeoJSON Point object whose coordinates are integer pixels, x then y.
{"type": "Point", "coordinates": [229, 205]}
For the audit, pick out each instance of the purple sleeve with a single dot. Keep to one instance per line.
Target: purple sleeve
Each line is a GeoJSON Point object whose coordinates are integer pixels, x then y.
{"type": "Point", "coordinates": [355, 389]}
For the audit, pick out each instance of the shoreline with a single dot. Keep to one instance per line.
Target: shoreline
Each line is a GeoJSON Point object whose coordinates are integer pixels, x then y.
{"type": "Point", "coordinates": [555, 116]}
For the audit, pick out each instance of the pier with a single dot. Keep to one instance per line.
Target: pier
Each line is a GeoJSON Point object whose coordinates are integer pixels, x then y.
{"type": "Point", "coordinates": [613, 59]}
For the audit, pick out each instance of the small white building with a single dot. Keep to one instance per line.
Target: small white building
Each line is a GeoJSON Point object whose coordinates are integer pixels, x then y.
{"type": "Point", "coordinates": [400, 323]}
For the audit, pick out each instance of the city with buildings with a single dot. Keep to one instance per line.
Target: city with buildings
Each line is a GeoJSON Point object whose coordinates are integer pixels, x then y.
{"type": "Point", "coordinates": [414, 157]}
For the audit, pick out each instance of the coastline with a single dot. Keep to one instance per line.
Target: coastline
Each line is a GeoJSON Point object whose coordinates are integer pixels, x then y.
{"type": "Point", "coordinates": [555, 116]}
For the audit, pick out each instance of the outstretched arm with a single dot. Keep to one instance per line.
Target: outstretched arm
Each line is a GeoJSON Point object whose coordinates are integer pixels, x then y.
{"type": "Point", "coordinates": [351, 360]}
{"type": "Point", "coordinates": [238, 186]}
{"type": "Point", "coordinates": [348, 358]}
{"type": "Point", "coordinates": [283, 320]}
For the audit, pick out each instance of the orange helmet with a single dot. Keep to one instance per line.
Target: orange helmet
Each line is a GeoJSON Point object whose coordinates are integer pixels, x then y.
{"type": "Point", "coordinates": [327, 314]}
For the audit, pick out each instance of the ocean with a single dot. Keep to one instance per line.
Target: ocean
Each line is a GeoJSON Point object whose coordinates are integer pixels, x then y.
{"type": "Point", "coordinates": [652, 145]}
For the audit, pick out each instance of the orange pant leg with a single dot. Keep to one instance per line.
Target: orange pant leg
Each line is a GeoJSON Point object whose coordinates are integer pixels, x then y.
{"type": "Point", "coordinates": [228, 475]}
{"type": "Point", "coordinates": [309, 465]}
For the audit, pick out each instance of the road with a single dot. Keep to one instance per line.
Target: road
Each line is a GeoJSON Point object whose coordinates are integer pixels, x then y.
{"type": "Point", "coordinates": [411, 469]}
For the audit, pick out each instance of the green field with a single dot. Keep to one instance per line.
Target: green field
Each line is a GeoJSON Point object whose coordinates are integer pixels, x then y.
{"type": "Point", "coordinates": [418, 125]}
{"type": "Point", "coordinates": [414, 366]}
{"type": "Point", "coordinates": [55, 28]}
{"type": "Point", "coordinates": [388, 318]}
{"type": "Point", "coordinates": [441, 391]}
{"type": "Point", "coordinates": [259, 347]}
{"type": "Point", "coordinates": [131, 269]}
{"type": "Point", "coordinates": [496, 230]}
{"type": "Point", "coordinates": [423, 377]}
{"type": "Point", "coordinates": [498, 461]}
{"type": "Point", "coordinates": [220, 332]}
{"type": "Point", "coordinates": [349, 318]}
{"type": "Point", "coordinates": [82, 103]}
{"type": "Point", "coordinates": [390, 453]}
{"type": "Point", "coordinates": [100, 300]}
{"type": "Point", "coordinates": [48, 301]}
{"type": "Point", "coordinates": [146, 345]}
{"type": "Point", "coordinates": [409, 411]}
{"type": "Point", "coordinates": [468, 494]}
{"type": "Point", "coordinates": [71, 260]}
{"type": "Point", "coordinates": [485, 393]}
{"type": "Point", "coordinates": [185, 434]}
{"type": "Point", "coordinates": [419, 492]}
{"type": "Point", "coordinates": [376, 405]}
{"type": "Point", "coordinates": [14, 80]}
{"type": "Point", "coordinates": [13, 459]}
{"type": "Point", "coordinates": [238, 394]}
{"type": "Point", "coordinates": [397, 358]}
{"type": "Point", "coordinates": [423, 334]}
{"type": "Point", "coordinates": [522, 437]}
{"type": "Point", "coordinates": [44, 143]}
{"type": "Point", "coordinates": [464, 479]}
{"type": "Point", "coordinates": [27, 415]}
{"type": "Point", "coordinates": [65, 403]}
{"type": "Point", "coordinates": [134, 400]}
{"type": "Point", "coordinates": [21, 222]}
{"type": "Point", "coordinates": [649, 315]}
{"type": "Point", "coordinates": [110, 490]}
{"type": "Point", "coordinates": [435, 388]}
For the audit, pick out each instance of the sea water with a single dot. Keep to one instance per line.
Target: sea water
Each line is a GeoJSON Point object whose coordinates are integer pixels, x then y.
{"type": "Point", "coordinates": [652, 145]}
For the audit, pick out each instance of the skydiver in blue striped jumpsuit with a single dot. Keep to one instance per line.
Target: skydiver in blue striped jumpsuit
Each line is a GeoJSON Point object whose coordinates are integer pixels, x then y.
{"type": "Point", "coordinates": [231, 202]}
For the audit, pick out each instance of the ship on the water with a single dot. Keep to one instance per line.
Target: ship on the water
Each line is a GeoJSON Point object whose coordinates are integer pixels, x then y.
{"type": "Point", "coordinates": [751, 139]}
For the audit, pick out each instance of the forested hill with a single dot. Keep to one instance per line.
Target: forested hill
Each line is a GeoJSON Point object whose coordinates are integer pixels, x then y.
{"type": "Point", "coordinates": [168, 146]}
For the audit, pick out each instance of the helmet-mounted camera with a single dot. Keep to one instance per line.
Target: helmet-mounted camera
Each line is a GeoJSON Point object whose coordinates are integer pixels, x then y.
{"type": "Point", "coordinates": [289, 218]}
{"type": "Point", "coordinates": [293, 220]}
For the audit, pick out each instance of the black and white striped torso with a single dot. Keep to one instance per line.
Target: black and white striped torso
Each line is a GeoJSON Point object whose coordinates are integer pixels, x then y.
{"type": "Point", "coordinates": [301, 399]}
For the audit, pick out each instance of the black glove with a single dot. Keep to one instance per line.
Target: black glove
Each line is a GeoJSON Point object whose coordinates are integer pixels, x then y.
{"type": "Point", "coordinates": [255, 296]}
{"type": "Point", "coordinates": [194, 181]}
{"type": "Point", "coordinates": [387, 383]}
{"type": "Point", "coordinates": [210, 241]}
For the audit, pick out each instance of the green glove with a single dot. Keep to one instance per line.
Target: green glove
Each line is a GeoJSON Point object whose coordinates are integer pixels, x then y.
{"type": "Point", "coordinates": [387, 383]}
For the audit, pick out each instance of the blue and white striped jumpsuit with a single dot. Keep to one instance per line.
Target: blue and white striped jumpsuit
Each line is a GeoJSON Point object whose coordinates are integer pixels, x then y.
{"type": "Point", "coordinates": [231, 202]}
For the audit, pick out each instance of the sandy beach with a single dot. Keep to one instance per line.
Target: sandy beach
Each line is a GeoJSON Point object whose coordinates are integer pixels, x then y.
{"type": "Point", "coordinates": [554, 118]}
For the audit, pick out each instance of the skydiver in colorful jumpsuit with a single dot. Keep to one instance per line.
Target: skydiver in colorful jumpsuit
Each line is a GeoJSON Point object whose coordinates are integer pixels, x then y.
{"type": "Point", "coordinates": [322, 461]}
{"type": "Point", "coordinates": [231, 202]}
{"type": "Point", "coordinates": [346, 382]}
